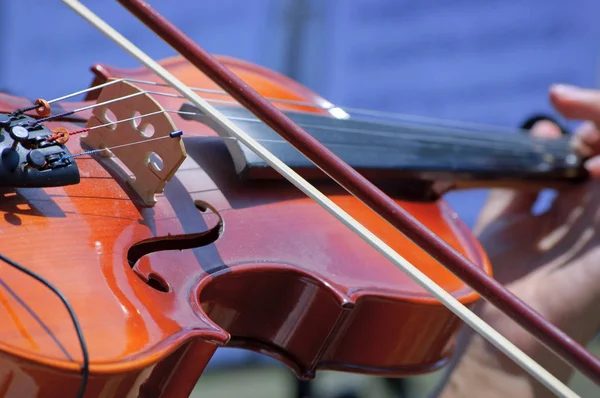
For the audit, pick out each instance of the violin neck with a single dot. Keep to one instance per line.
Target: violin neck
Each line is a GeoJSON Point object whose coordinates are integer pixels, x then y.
{"type": "Point", "coordinates": [388, 154]}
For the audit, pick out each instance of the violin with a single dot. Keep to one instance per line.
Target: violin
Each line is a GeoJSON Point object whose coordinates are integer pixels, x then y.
{"type": "Point", "coordinates": [166, 237]}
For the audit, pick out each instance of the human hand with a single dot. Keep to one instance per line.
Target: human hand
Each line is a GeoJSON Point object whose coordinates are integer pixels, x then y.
{"type": "Point", "coordinates": [551, 261]}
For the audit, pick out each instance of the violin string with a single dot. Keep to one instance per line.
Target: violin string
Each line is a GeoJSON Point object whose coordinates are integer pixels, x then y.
{"type": "Point", "coordinates": [363, 111]}
{"type": "Point", "coordinates": [423, 133]}
{"type": "Point", "coordinates": [476, 142]}
{"type": "Point", "coordinates": [173, 134]}
{"type": "Point", "coordinates": [513, 152]}
{"type": "Point", "coordinates": [328, 107]}
{"type": "Point", "coordinates": [436, 129]}
{"type": "Point", "coordinates": [87, 90]}
{"type": "Point", "coordinates": [501, 150]}
{"type": "Point", "coordinates": [36, 105]}
{"type": "Point", "coordinates": [511, 155]}
{"type": "Point", "coordinates": [438, 140]}
{"type": "Point", "coordinates": [551, 147]}
{"type": "Point", "coordinates": [84, 108]}
{"type": "Point", "coordinates": [484, 142]}
{"type": "Point", "coordinates": [461, 126]}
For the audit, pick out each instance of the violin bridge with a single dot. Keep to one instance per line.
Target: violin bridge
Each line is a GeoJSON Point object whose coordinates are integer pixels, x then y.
{"type": "Point", "coordinates": [148, 164]}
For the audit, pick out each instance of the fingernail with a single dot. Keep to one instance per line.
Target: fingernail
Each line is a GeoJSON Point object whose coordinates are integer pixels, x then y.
{"type": "Point", "coordinates": [566, 90]}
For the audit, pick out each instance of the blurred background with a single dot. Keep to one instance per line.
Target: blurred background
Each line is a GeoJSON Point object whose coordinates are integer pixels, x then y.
{"type": "Point", "coordinates": [488, 61]}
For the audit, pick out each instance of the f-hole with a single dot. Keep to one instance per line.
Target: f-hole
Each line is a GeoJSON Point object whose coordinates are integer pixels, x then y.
{"type": "Point", "coordinates": [173, 242]}
{"type": "Point", "coordinates": [157, 282]}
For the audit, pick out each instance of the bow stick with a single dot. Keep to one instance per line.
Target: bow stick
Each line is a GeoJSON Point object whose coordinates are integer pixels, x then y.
{"type": "Point", "coordinates": [378, 201]}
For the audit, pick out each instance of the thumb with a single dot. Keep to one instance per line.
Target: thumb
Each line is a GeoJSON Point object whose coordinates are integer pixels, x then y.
{"type": "Point", "coordinates": [512, 203]}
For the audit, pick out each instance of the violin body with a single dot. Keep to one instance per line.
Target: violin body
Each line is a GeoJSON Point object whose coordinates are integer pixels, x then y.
{"type": "Point", "coordinates": [271, 271]}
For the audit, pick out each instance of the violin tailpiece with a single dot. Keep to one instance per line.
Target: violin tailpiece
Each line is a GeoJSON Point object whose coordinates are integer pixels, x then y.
{"type": "Point", "coordinates": [149, 164]}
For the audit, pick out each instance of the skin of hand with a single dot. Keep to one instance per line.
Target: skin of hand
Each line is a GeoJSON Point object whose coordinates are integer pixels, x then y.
{"type": "Point", "coordinates": [550, 260]}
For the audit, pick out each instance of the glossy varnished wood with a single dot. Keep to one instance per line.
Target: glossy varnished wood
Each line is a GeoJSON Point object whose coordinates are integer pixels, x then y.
{"type": "Point", "coordinates": [366, 191]}
{"type": "Point", "coordinates": [284, 278]}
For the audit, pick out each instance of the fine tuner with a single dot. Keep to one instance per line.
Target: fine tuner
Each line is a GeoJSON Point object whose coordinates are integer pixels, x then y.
{"type": "Point", "coordinates": [29, 158]}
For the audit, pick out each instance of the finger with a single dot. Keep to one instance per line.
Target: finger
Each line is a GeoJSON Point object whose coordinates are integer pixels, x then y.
{"type": "Point", "coordinates": [586, 139]}
{"type": "Point", "coordinates": [593, 167]}
{"type": "Point", "coordinates": [576, 103]}
{"type": "Point", "coordinates": [507, 202]}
